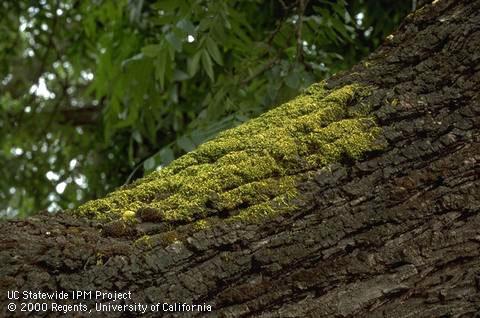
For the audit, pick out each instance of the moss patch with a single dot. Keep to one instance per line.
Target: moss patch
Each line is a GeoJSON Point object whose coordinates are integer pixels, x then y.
{"type": "Point", "coordinates": [144, 240]}
{"type": "Point", "coordinates": [251, 171]}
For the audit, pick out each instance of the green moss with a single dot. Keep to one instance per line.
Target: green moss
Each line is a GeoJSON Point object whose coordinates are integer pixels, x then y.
{"type": "Point", "coordinates": [367, 64]}
{"type": "Point", "coordinates": [251, 171]}
{"type": "Point", "coordinates": [128, 215]}
{"type": "Point", "coordinates": [201, 224]}
{"type": "Point", "coordinates": [144, 240]}
{"type": "Point", "coordinates": [99, 259]}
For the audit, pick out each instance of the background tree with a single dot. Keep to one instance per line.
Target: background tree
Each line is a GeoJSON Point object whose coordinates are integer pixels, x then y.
{"type": "Point", "coordinates": [95, 93]}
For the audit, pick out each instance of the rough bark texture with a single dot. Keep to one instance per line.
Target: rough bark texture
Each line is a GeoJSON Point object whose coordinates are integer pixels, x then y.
{"type": "Point", "coordinates": [394, 235]}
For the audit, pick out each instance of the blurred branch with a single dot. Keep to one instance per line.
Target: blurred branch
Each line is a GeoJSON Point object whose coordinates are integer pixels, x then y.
{"type": "Point", "coordinates": [259, 71]}
{"type": "Point", "coordinates": [302, 4]}
{"type": "Point", "coordinates": [83, 116]}
{"type": "Point", "coordinates": [284, 6]}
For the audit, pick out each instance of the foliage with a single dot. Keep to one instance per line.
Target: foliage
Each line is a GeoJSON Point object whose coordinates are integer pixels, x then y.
{"type": "Point", "coordinates": [95, 93]}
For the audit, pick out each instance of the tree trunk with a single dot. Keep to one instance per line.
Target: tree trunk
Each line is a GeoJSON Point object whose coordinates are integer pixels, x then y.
{"type": "Point", "coordinates": [395, 233]}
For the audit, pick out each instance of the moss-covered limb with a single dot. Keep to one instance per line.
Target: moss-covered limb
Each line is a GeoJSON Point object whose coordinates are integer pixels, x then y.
{"type": "Point", "coordinates": [250, 170]}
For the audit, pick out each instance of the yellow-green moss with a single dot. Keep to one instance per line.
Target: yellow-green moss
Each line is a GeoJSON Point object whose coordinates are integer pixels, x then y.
{"type": "Point", "coordinates": [128, 215]}
{"type": "Point", "coordinates": [201, 224]}
{"type": "Point", "coordinates": [144, 240]}
{"type": "Point", "coordinates": [99, 259]}
{"type": "Point", "coordinates": [367, 64]}
{"type": "Point", "coordinates": [252, 170]}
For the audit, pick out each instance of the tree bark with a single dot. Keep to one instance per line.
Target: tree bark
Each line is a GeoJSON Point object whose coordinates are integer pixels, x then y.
{"type": "Point", "coordinates": [396, 234]}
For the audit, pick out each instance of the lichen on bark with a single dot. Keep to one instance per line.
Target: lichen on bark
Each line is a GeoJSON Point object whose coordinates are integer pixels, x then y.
{"type": "Point", "coordinates": [251, 171]}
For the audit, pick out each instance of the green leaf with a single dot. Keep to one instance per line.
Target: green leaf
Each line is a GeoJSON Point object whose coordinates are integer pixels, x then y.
{"type": "Point", "coordinates": [186, 26]}
{"type": "Point", "coordinates": [161, 158]}
{"type": "Point", "coordinates": [185, 143]}
{"type": "Point", "coordinates": [174, 94]}
{"type": "Point", "coordinates": [193, 63]}
{"type": "Point", "coordinates": [130, 152]}
{"type": "Point", "coordinates": [152, 50]}
{"type": "Point", "coordinates": [160, 67]}
{"type": "Point", "coordinates": [180, 75]}
{"type": "Point", "coordinates": [151, 127]}
{"type": "Point", "coordinates": [207, 64]}
{"type": "Point", "coordinates": [137, 137]}
{"type": "Point", "coordinates": [340, 28]}
{"type": "Point", "coordinates": [149, 164]}
{"type": "Point", "coordinates": [241, 117]}
{"type": "Point", "coordinates": [339, 8]}
{"type": "Point", "coordinates": [166, 155]}
{"type": "Point", "coordinates": [293, 80]}
{"type": "Point", "coordinates": [134, 58]}
{"type": "Point", "coordinates": [174, 41]}
{"type": "Point", "coordinates": [213, 50]}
